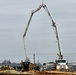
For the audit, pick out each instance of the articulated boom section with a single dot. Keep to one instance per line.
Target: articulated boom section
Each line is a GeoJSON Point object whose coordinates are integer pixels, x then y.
{"type": "Point", "coordinates": [33, 11]}
{"type": "Point", "coordinates": [53, 24]}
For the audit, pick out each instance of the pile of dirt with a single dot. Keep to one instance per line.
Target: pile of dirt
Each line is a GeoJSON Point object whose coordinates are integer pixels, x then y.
{"type": "Point", "coordinates": [9, 72]}
{"type": "Point", "coordinates": [15, 72]}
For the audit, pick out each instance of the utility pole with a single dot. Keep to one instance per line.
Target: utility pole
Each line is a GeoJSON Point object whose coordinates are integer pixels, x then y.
{"type": "Point", "coordinates": [34, 57]}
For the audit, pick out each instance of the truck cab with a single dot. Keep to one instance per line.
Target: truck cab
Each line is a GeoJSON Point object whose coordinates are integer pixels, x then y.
{"type": "Point", "coordinates": [61, 64]}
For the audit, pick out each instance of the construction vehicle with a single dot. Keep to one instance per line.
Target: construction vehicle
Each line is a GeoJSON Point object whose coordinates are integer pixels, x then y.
{"type": "Point", "coordinates": [60, 63]}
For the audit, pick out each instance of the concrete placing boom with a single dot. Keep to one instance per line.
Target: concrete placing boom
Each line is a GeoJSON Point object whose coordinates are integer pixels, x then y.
{"type": "Point", "coordinates": [56, 31]}
{"type": "Point", "coordinates": [53, 24]}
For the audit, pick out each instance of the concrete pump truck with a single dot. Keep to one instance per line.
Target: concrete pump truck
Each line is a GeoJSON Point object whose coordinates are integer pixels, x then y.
{"type": "Point", "coordinates": [60, 63]}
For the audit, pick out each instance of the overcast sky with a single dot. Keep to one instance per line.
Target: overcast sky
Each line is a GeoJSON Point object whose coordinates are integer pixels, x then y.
{"type": "Point", "coordinates": [40, 39]}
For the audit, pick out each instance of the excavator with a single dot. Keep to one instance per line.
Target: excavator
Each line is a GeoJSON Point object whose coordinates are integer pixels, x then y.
{"type": "Point", "coordinates": [60, 63]}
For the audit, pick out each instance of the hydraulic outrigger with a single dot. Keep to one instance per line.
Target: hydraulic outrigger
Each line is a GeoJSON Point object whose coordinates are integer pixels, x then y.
{"type": "Point", "coordinates": [53, 24]}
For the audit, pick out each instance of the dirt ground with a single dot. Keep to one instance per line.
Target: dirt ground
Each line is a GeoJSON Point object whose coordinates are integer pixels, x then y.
{"type": "Point", "coordinates": [37, 72]}
{"type": "Point", "coordinates": [15, 72]}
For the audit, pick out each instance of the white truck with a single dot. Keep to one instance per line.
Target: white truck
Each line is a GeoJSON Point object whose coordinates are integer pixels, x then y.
{"type": "Point", "coordinates": [61, 65]}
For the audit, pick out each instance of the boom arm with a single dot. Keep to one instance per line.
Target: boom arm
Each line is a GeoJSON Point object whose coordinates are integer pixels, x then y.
{"type": "Point", "coordinates": [33, 11]}
{"type": "Point", "coordinates": [53, 24]}
{"type": "Point", "coordinates": [56, 31]}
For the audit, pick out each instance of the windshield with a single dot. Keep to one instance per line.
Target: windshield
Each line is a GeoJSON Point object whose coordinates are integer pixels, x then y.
{"type": "Point", "coordinates": [60, 61]}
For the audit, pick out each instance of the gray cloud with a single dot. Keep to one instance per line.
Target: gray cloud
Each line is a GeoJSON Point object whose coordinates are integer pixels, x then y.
{"type": "Point", "coordinates": [14, 15]}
